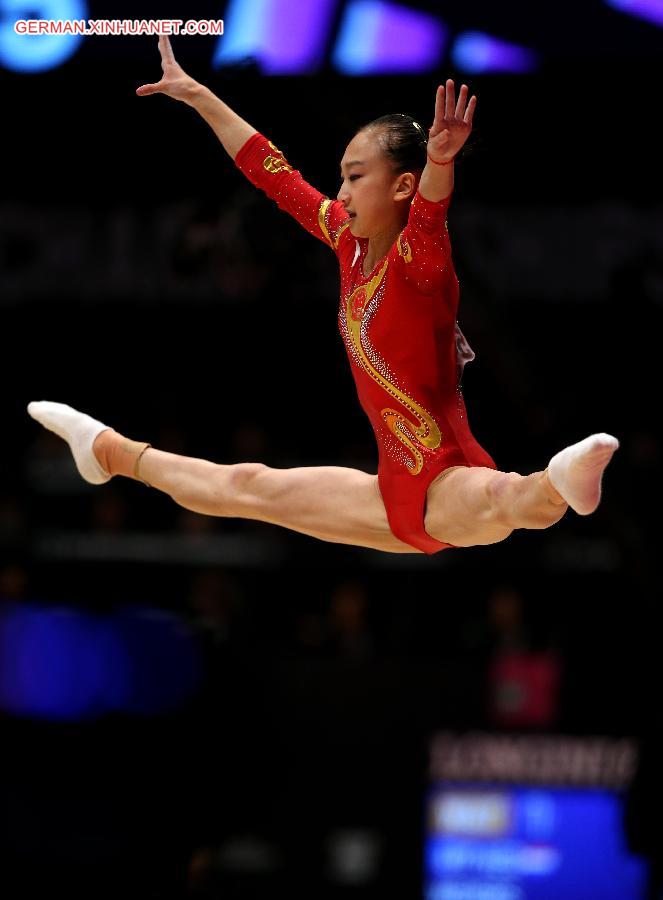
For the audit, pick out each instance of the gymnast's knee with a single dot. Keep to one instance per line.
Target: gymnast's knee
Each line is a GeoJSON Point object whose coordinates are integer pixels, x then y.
{"type": "Point", "coordinates": [499, 491]}
{"type": "Point", "coordinates": [239, 488]}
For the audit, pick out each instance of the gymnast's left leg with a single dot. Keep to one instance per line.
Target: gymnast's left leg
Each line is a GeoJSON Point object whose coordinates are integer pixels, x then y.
{"type": "Point", "coordinates": [473, 506]}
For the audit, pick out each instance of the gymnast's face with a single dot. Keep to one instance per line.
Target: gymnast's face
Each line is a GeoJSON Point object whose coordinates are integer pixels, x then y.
{"type": "Point", "coordinates": [376, 198]}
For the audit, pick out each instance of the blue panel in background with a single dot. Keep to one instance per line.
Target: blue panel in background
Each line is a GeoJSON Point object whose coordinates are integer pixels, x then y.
{"type": "Point", "coordinates": [38, 53]}
{"type": "Point", "coordinates": [286, 39]}
{"type": "Point", "coordinates": [379, 38]}
{"type": "Point", "coordinates": [521, 843]}
{"type": "Point", "coordinates": [63, 664]}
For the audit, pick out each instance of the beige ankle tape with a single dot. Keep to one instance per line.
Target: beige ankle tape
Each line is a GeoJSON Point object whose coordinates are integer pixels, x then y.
{"type": "Point", "coordinates": [138, 459]}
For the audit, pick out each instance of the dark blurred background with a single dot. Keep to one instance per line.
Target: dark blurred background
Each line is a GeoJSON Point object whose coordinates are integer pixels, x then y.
{"type": "Point", "coordinates": [143, 280]}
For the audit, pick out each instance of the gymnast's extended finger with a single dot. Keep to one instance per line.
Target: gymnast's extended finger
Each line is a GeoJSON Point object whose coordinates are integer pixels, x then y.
{"type": "Point", "coordinates": [450, 104]}
{"type": "Point", "coordinates": [462, 100]}
{"type": "Point", "coordinates": [167, 55]}
{"type": "Point", "coordinates": [469, 112]}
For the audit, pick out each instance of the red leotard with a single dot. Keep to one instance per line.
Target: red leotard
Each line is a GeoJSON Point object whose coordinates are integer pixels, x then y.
{"type": "Point", "coordinates": [399, 327]}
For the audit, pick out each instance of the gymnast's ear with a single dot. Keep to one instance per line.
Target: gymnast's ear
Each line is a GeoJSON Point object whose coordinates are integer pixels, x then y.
{"type": "Point", "coordinates": [406, 185]}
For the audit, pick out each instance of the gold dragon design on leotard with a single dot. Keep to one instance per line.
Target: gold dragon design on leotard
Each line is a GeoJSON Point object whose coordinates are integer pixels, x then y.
{"type": "Point", "coordinates": [426, 431]}
{"type": "Point", "coordinates": [276, 164]}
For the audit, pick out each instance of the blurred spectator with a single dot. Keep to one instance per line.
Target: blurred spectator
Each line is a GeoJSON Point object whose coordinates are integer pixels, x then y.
{"type": "Point", "coordinates": [342, 631]}
{"type": "Point", "coordinates": [109, 512]}
{"type": "Point", "coordinates": [192, 523]}
{"type": "Point", "coordinates": [215, 601]}
{"type": "Point", "coordinates": [523, 679]}
{"type": "Point", "coordinates": [349, 634]}
{"type": "Point", "coordinates": [212, 246]}
{"type": "Point", "coordinates": [249, 443]}
{"type": "Point", "coordinates": [13, 523]}
{"type": "Point", "coordinates": [13, 582]}
{"type": "Point", "coordinates": [310, 633]}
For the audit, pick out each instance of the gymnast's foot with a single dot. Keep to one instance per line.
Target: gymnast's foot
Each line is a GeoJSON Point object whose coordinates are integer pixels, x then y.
{"type": "Point", "coordinates": [99, 452]}
{"type": "Point", "coordinates": [576, 472]}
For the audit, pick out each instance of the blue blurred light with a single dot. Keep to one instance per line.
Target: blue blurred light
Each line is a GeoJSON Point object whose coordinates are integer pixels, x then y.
{"type": "Point", "coordinates": [379, 38]}
{"type": "Point", "coordinates": [476, 52]}
{"type": "Point", "coordinates": [284, 39]}
{"type": "Point", "coordinates": [104, 661]}
{"type": "Point", "coordinates": [164, 663]}
{"type": "Point", "coordinates": [65, 665]}
{"type": "Point", "coordinates": [650, 10]}
{"type": "Point", "coordinates": [38, 52]}
{"type": "Point", "coordinates": [42, 674]}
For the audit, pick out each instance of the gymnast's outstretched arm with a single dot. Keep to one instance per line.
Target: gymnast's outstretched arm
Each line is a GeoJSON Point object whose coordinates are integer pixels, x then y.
{"type": "Point", "coordinates": [231, 129]}
{"type": "Point", "coordinates": [261, 162]}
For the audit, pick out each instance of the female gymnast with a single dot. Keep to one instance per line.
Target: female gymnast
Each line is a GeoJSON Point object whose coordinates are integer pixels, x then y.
{"type": "Point", "coordinates": [436, 487]}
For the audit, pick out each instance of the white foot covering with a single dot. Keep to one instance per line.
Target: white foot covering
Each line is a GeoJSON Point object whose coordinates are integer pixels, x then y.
{"type": "Point", "coordinates": [576, 471]}
{"type": "Point", "coordinates": [78, 430]}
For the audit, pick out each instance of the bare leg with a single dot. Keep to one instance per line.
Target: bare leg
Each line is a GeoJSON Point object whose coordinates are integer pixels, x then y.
{"type": "Point", "coordinates": [470, 506]}
{"type": "Point", "coordinates": [331, 503]}
{"type": "Point", "coordinates": [465, 506]}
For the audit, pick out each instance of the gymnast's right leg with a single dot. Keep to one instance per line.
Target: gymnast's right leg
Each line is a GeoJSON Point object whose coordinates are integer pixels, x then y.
{"type": "Point", "coordinates": [332, 503]}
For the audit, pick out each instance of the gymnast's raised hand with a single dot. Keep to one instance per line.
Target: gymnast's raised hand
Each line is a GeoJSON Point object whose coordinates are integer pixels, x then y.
{"type": "Point", "coordinates": [452, 124]}
{"type": "Point", "coordinates": [231, 129]}
{"type": "Point", "coordinates": [175, 82]}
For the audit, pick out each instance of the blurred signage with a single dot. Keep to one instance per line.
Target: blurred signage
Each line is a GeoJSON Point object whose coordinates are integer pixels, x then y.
{"type": "Point", "coordinates": [533, 759]}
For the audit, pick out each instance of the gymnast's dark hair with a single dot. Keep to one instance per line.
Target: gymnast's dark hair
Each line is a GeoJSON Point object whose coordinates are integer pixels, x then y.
{"type": "Point", "coordinates": [403, 141]}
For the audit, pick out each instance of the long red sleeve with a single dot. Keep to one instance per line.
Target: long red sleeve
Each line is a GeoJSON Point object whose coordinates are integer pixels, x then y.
{"type": "Point", "coordinates": [425, 252]}
{"type": "Point", "coordinates": [265, 166]}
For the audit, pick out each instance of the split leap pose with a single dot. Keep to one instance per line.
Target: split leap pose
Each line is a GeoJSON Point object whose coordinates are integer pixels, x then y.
{"type": "Point", "coordinates": [436, 487]}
